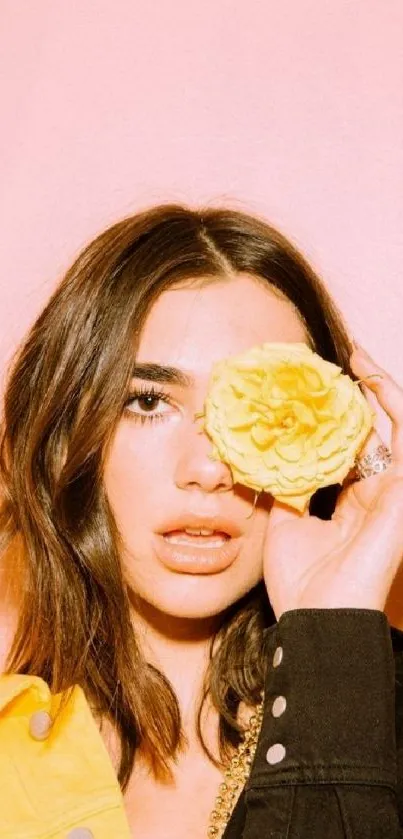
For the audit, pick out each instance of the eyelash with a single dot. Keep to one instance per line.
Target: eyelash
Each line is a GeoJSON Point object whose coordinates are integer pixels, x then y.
{"type": "Point", "coordinates": [145, 393]}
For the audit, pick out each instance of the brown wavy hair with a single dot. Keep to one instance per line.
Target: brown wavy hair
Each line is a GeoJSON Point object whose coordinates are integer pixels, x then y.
{"type": "Point", "coordinates": [65, 391]}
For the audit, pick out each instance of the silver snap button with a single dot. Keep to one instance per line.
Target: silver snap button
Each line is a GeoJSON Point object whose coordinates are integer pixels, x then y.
{"type": "Point", "coordinates": [276, 753]}
{"type": "Point", "coordinates": [80, 833]}
{"type": "Point", "coordinates": [278, 657]}
{"type": "Point", "coordinates": [279, 706]}
{"type": "Point", "coordinates": [40, 725]}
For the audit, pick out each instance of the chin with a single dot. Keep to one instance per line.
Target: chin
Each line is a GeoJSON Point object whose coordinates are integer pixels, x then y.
{"type": "Point", "coordinates": [194, 597]}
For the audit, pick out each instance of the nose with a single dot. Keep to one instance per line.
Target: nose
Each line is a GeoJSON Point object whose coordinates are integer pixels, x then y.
{"type": "Point", "coordinates": [194, 464]}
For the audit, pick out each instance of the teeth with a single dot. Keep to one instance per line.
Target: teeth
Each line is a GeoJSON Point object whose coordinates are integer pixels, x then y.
{"type": "Point", "coordinates": [197, 532]}
{"type": "Point", "coordinates": [180, 539]}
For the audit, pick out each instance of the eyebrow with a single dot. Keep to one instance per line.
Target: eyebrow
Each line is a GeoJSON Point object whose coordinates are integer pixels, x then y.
{"type": "Point", "coordinates": [151, 372]}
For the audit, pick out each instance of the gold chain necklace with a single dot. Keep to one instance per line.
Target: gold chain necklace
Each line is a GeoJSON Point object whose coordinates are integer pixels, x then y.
{"type": "Point", "coordinates": [235, 776]}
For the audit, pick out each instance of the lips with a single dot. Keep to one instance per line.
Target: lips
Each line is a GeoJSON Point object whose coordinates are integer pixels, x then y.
{"type": "Point", "coordinates": [181, 537]}
{"type": "Point", "coordinates": [217, 523]}
{"type": "Point", "coordinates": [194, 558]}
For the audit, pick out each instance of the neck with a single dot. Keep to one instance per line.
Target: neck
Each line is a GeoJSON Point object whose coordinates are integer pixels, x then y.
{"type": "Point", "coordinates": [179, 648]}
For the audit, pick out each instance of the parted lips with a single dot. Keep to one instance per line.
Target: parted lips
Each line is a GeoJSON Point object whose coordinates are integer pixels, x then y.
{"type": "Point", "coordinates": [285, 420]}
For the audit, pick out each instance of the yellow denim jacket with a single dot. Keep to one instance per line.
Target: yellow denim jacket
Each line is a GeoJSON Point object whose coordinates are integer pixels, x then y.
{"type": "Point", "coordinates": [34, 803]}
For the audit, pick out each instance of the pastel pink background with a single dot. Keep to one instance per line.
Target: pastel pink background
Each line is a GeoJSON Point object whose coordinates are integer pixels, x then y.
{"type": "Point", "coordinates": [291, 109]}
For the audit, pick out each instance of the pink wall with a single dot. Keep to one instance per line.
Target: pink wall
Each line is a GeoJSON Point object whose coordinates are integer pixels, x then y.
{"type": "Point", "coordinates": [292, 109]}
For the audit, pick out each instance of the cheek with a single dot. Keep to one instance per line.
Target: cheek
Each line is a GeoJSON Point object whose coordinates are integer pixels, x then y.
{"type": "Point", "coordinates": [255, 537]}
{"type": "Point", "coordinates": [135, 475]}
{"type": "Point", "coordinates": [255, 529]}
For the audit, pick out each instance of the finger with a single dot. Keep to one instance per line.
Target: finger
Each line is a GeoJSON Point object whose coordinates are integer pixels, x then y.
{"type": "Point", "coordinates": [371, 444]}
{"type": "Point", "coordinates": [388, 393]}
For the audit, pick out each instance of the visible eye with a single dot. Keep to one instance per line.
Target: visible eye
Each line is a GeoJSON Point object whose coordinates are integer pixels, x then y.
{"type": "Point", "coordinates": [147, 396]}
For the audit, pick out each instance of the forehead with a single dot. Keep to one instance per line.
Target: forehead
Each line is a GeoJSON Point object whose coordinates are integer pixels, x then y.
{"type": "Point", "coordinates": [192, 328]}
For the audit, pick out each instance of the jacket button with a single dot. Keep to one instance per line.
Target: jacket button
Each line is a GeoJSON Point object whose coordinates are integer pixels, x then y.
{"type": "Point", "coordinates": [276, 753]}
{"type": "Point", "coordinates": [278, 657]}
{"type": "Point", "coordinates": [80, 833]}
{"type": "Point", "coordinates": [39, 725]}
{"type": "Point", "coordinates": [279, 706]}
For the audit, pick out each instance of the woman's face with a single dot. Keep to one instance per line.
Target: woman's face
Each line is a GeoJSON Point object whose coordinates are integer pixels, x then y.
{"type": "Point", "coordinates": [159, 470]}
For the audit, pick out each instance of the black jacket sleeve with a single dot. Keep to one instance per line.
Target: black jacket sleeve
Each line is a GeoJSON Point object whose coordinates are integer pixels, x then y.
{"type": "Point", "coordinates": [326, 760]}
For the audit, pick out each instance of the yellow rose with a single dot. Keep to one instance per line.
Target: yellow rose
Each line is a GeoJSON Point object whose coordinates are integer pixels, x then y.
{"type": "Point", "coordinates": [285, 420]}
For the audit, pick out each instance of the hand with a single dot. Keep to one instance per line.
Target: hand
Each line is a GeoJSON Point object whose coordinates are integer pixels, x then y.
{"type": "Point", "coordinates": [351, 560]}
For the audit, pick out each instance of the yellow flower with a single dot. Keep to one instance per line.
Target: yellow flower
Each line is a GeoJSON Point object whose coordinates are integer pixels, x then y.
{"type": "Point", "coordinates": [285, 420]}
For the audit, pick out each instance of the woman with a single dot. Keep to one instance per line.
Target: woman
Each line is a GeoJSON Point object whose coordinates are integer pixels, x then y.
{"type": "Point", "coordinates": [139, 647]}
